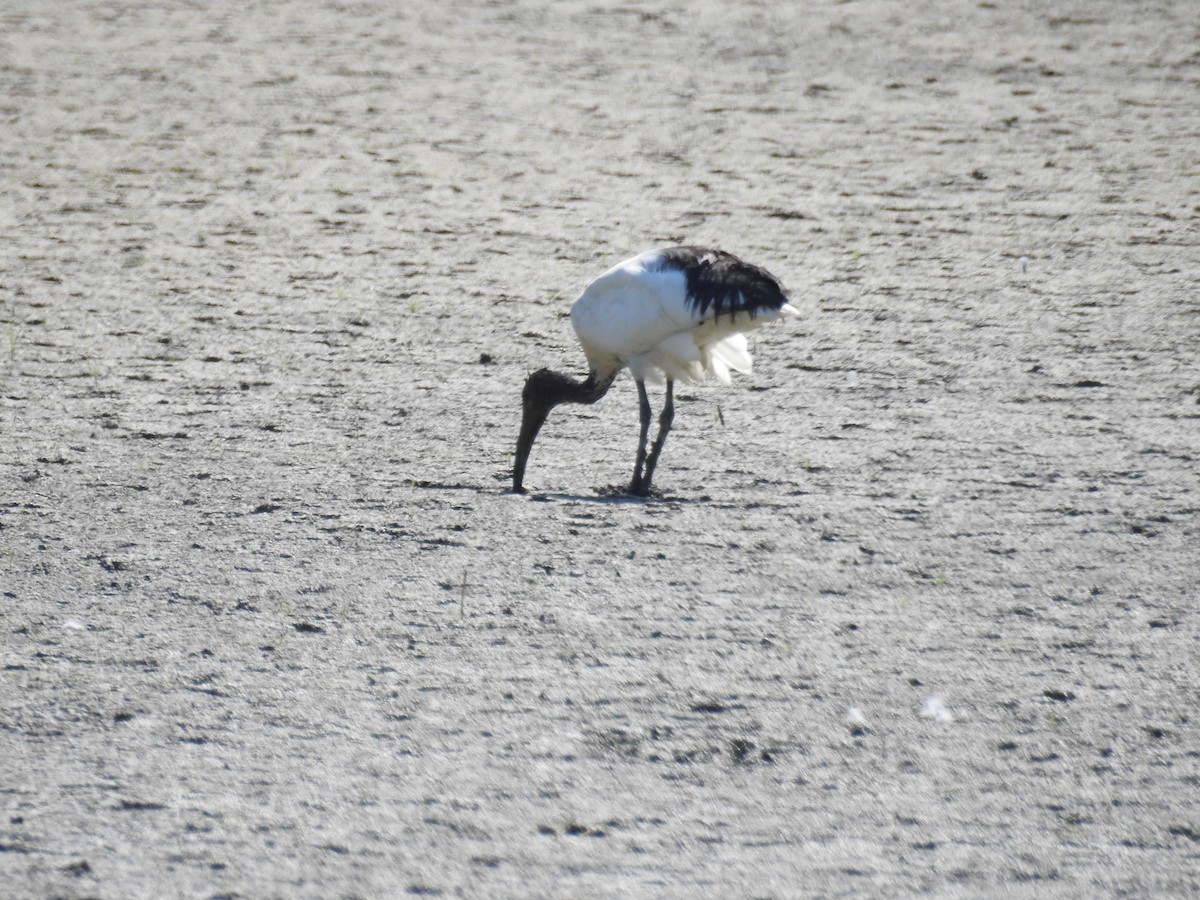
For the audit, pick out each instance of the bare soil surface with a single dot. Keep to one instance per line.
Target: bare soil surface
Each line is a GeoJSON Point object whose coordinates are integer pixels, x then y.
{"type": "Point", "coordinates": [916, 612]}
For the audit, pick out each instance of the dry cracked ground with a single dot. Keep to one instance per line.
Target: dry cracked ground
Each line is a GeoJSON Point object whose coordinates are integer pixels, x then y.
{"type": "Point", "coordinates": [916, 612]}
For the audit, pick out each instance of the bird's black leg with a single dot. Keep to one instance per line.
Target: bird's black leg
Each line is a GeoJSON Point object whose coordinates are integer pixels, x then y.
{"type": "Point", "coordinates": [638, 486]}
{"type": "Point", "coordinates": [664, 425]}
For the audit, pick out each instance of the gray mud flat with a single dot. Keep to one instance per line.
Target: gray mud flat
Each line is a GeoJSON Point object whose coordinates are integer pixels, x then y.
{"type": "Point", "coordinates": [916, 612]}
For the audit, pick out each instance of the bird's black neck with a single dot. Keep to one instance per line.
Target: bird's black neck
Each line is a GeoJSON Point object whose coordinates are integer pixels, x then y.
{"type": "Point", "coordinates": [547, 388]}
{"type": "Point", "coordinates": [594, 388]}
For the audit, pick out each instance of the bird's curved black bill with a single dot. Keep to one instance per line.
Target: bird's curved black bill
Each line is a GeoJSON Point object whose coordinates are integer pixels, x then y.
{"type": "Point", "coordinates": [531, 423]}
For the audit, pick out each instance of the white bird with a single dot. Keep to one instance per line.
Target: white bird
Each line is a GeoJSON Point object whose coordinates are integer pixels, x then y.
{"type": "Point", "coordinates": [681, 313]}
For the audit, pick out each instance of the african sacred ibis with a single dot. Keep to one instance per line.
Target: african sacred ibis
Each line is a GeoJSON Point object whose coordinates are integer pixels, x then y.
{"type": "Point", "coordinates": [678, 313]}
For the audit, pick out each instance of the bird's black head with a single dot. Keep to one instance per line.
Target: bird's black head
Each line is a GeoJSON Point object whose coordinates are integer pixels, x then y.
{"type": "Point", "coordinates": [544, 390]}
{"type": "Point", "coordinates": [547, 388]}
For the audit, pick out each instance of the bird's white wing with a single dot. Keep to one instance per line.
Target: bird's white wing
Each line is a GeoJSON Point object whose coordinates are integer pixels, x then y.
{"type": "Point", "coordinates": [638, 314]}
{"type": "Point", "coordinates": [629, 311]}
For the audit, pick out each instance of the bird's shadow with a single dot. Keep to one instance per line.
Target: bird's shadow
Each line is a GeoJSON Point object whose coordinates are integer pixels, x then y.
{"type": "Point", "coordinates": [615, 494]}
{"type": "Point", "coordinates": [442, 485]}
{"type": "Point", "coordinates": [611, 494]}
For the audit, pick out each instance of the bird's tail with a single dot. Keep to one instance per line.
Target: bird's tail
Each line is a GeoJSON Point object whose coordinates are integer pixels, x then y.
{"type": "Point", "coordinates": [728, 353]}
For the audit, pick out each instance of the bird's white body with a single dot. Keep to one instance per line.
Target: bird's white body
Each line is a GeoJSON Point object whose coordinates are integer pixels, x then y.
{"type": "Point", "coordinates": [638, 315]}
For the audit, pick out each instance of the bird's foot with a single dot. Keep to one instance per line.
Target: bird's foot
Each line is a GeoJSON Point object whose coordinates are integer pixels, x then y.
{"type": "Point", "coordinates": [640, 489]}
